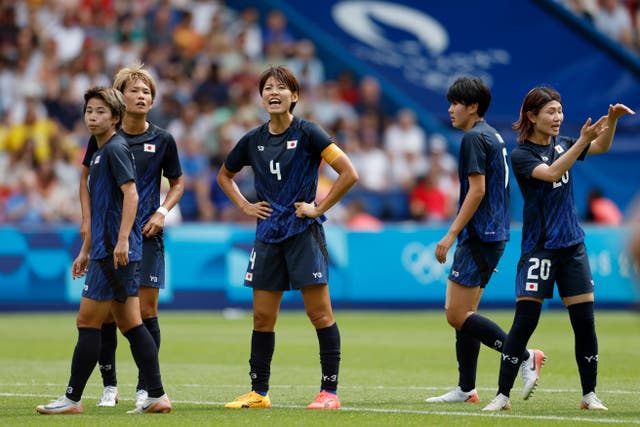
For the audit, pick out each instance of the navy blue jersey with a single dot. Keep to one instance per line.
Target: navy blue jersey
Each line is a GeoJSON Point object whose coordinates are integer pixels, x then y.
{"type": "Point", "coordinates": [482, 151]}
{"type": "Point", "coordinates": [285, 167]}
{"type": "Point", "coordinates": [549, 214]}
{"type": "Point", "coordinates": [110, 167]}
{"type": "Point", "coordinates": [155, 154]}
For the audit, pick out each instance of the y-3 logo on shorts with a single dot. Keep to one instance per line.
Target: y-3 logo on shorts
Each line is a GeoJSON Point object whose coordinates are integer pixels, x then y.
{"type": "Point", "coordinates": [317, 275]}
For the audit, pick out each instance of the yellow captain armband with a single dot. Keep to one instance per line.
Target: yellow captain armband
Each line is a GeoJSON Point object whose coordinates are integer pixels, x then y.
{"type": "Point", "coordinates": [331, 153]}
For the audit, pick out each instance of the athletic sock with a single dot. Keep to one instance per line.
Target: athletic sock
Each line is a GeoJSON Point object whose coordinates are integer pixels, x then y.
{"type": "Point", "coordinates": [107, 359]}
{"type": "Point", "coordinates": [153, 327]}
{"type": "Point", "coordinates": [145, 354]}
{"type": "Point", "coordinates": [467, 350]}
{"type": "Point", "coordinates": [262, 347]}
{"type": "Point", "coordinates": [85, 357]}
{"type": "Point", "coordinates": [524, 323]}
{"type": "Point", "coordinates": [485, 330]}
{"type": "Point", "coordinates": [586, 344]}
{"type": "Point", "coordinates": [329, 341]}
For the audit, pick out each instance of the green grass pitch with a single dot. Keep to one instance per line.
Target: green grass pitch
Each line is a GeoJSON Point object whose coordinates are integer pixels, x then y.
{"type": "Point", "coordinates": [391, 361]}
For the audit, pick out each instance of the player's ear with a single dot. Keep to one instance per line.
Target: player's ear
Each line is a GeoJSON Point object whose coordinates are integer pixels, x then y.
{"type": "Point", "coordinates": [531, 116]}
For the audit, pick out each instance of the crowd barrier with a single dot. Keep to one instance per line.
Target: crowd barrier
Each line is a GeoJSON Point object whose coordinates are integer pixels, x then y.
{"type": "Point", "coordinates": [392, 268]}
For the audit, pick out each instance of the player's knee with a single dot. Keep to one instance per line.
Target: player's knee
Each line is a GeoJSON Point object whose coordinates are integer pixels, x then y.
{"type": "Point", "coordinates": [455, 318]}
{"type": "Point", "coordinates": [264, 321]}
{"type": "Point", "coordinates": [320, 319]}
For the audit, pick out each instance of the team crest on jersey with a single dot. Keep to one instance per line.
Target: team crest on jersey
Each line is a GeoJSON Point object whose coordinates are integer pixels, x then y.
{"type": "Point", "coordinates": [532, 287]}
{"type": "Point", "coordinates": [96, 160]}
{"type": "Point", "coordinates": [559, 149]}
{"type": "Point", "coordinates": [149, 148]}
{"type": "Point", "coordinates": [292, 144]}
{"type": "Point", "coordinates": [248, 277]}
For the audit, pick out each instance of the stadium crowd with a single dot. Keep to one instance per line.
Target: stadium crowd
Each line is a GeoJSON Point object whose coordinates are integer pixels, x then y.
{"type": "Point", "coordinates": [206, 58]}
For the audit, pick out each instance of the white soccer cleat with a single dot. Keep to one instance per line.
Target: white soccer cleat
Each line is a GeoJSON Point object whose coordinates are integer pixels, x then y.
{"type": "Point", "coordinates": [141, 396]}
{"type": "Point", "coordinates": [499, 403]}
{"type": "Point", "coordinates": [456, 396]}
{"type": "Point", "coordinates": [109, 397]}
{"type": "Point", "coordinates": [61, 405]}
{"type": "Point", "coordinates": [530, 372]}
{"type": "Point", "coordinates": [153, 405]}
{"type": "Point", "coordinates": [591, 402]}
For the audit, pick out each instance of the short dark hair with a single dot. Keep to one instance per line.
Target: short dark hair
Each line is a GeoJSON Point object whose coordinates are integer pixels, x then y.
{"type": "Point", "coordinates": [283, 75]}
{"type": "Point", "coordinates": [112, 97]}
{"type": "Point", "coordinates": [470, 90]}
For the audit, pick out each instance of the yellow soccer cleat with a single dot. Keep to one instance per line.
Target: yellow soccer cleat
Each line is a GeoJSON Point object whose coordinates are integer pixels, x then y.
{"type": "Point", "coordinates": [250, 400]}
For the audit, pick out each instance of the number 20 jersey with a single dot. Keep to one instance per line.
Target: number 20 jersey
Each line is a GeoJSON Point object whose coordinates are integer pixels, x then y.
{"type": "Point", "coordinates": [549, 214]}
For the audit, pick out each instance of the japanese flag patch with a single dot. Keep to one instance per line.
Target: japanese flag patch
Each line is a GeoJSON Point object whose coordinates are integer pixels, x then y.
{"type": "Point", "coordinates": [248, 277]}
{"type": "Point", "coordinates": [149, 148]}
{"type": "Point", "coordinates": [559, 149]}
{"type": "Point", "coordinates": [292, 144]}
{"type": "Point", "coordinates": [532, 287]}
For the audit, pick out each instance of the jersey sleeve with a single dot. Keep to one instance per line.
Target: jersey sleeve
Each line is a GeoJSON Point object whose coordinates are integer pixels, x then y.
{"type": "Point", "coordinates": [92, 147]}
{"type": "Point", "coordinates": [524, 162]}
{"type": "Point", "coordinates": [239, 156]}
{"type": "Point", "coordinates": [319, 138]}
{"type": "Point", "coordinates": [171, 163]}
{"type": "Point", "coordinates": [474, 149]}
{"type": "Point", "coordinates": [121, 163]}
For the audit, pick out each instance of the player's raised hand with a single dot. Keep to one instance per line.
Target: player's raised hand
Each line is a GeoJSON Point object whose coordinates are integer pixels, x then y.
{"type": "Point", "coordinates": [589, 131]}
{"type": "Point", "coordinates": [618, 110]}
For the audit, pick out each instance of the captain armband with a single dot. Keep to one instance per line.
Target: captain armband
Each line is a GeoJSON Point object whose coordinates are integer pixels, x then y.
{"type": "Point", "coordinates": [331, 153]}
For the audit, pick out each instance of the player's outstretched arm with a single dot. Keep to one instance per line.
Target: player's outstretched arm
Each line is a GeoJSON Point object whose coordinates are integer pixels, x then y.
{"type": "Point", "coordinates": [602, 143]}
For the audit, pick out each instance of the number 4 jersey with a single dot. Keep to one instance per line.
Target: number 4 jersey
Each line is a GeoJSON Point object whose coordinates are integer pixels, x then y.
{"type": "Point", "coordinates": [285, 169]}
{"type": "Point", "coordinates": [549, 215]}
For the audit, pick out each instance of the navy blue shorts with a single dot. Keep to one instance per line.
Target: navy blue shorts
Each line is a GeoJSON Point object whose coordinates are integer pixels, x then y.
{"type": "Point", "coordinates": [106, 283]}
{"type": "Point", "coordinates": [152, 264]}
{"type": "Point", "coordinates": [540, 269]}
{"type": "Point", "coordinates": [298, 261]}
{"type": "Point", "coordinates": [474, 262]}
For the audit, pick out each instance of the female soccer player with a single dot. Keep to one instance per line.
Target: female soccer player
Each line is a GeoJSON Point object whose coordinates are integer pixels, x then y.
{"type": "Point", "coordinates": [289, 250]}
{"type": "Point", "coordinates": [553, 249]}
{"type": "Point", "coordinates": [110, 255]}
{"type": "Point", "coordinates": [482, 229]}
{"type": "Point", "coordinates": [156, 154]}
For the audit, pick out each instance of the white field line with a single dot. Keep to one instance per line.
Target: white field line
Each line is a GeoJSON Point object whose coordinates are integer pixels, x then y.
{"type": "Point", "coordinates": [607, 420]}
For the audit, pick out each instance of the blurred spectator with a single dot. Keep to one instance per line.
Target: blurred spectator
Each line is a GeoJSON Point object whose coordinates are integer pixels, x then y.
{"type": "Point", "coordinates": [308, 67]}
{"type": "Point", "coordinates": [582, 8]}
{"type": "Point", "coordinates": [25, 205]}
{"type": "Point", "coordinates": [195, 204]}
{"type": "Point", "coordinates": [248, 30]}
{"type": "Point", "coordinates": [371, 162]}
{"type": "Point", "coordinates": [331, 108]}
{"type": "Point", "coordinates": [36, 128]}
{"type": "Point", "coordinates": [358, 219]}
{"type": "Point", "coordinates": [427, 201]}
{"type": "Point", "coordinates": [69, 36]}
{"type": "Point", "coordinates": [370, 102]}
{"type": "Point", "coordinates": [276, 33]}
{"type": "Point", "coordinates": [406, 144]}
{"type": "Point", "coordinates": [602, 210]}
{"type": "Point", "coordinates": [612, 18]}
